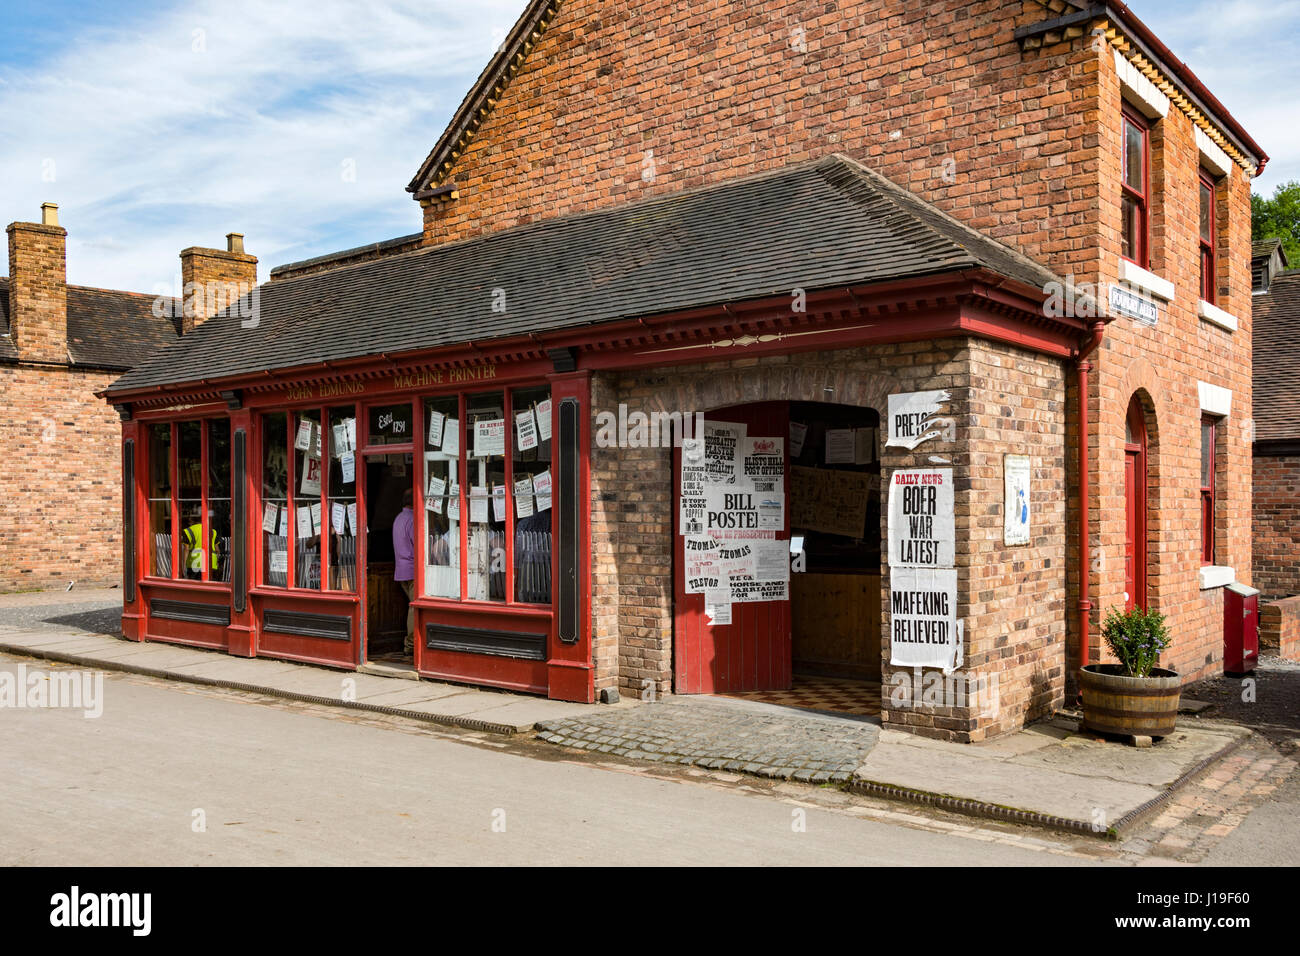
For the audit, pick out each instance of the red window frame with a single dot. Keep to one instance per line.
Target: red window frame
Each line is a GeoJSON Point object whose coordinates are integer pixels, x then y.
{"type": "Point", "coordinates": [1141, 199]}
{"type": "Point", "coordinates": [293, 498]}
{"type": "Point", "coordinates": [175, 525]}
{"type": "Point", "coordinates": [1209, 432]}
{"type": "Point", "coordinates": [1208, 244]}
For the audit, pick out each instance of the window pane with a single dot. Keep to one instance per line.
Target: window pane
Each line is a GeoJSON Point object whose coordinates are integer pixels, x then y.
{"type": "Point", "coordinates": [189, 476]}
{"type": "Point", "coordinates": [1207, 454]}
{"type": "Point", "coordinates": [390, 424]}
{"type": "Point", "coordinates": [307, 445]}
{"type": "Point", "coordinates": [1134, 161]}
{"type": "Point", "coordinates": [342, 490]}
{"type": "Point", "coordinates": [442, 500]}
{"type": "Point", "coordinates": [1207, 276]}
{"type": "Point", "coordinates": [531, 420]}
{"type": "Point", "coordinates": [1130, 234]}
{"type": "Point", "coordinates": [275, 499]}
{"type": "Point", "coordinates": [219, 497]}
{"type": "Point", "coordinates": [1207, 211]}
{"type": "Point", "coordinates": [486, 435]}
{"type": "Point", "coordinates": [160, 500]}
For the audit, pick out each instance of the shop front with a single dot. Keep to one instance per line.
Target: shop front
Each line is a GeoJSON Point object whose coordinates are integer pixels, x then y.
{"type": "Point", "coordinates": [315, 521]}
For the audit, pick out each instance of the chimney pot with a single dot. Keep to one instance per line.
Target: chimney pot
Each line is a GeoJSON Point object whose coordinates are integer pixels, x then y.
{"type": "Point", "coordinates": [49, 214]}
{"type": "Point", "coordinates": [235, 242]}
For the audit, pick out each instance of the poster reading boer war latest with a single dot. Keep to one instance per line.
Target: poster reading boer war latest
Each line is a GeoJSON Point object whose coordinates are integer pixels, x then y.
{"type": "Point", "coordinates": [923, 628]}
{"type": "Point", "coordinates": [922, 532]}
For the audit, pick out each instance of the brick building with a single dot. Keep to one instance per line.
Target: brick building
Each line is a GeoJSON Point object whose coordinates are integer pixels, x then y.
{"type": "Point", "coordinates": [60, 345]}
{"type": "Point", "coordinates": [962, 291]}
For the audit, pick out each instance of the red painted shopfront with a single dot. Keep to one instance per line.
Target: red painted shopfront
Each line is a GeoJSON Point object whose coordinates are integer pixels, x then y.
{"type": "Point", "coordinates": [261, 522]}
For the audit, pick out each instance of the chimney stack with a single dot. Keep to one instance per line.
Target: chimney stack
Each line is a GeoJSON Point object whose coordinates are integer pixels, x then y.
{"type": "Point", "coordinates": [38, 288]}
{"type": "Point", "coordinates": [214, 279]}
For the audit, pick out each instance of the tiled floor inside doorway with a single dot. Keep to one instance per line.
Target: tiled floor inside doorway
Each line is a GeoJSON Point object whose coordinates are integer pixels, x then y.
{"type": "Point", "coordinates": [835, 694]}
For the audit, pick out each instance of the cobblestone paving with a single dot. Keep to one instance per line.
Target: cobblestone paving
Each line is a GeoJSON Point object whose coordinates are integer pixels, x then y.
{"type": "Point", "coordinates": [731, 735]}
{"type": "Point", "coordinates": [1215, 804]}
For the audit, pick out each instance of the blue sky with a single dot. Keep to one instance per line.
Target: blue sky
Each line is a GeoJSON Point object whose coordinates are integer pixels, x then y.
{"type": "Point", "coordinates": [161, 124]}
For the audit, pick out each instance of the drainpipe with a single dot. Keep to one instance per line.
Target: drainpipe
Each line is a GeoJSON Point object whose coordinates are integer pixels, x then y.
{"type": "Point", "coordinates": [1097, 330]}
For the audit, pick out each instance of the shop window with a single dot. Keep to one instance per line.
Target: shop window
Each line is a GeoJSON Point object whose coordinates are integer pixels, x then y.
{"type": "Point", "coordinates": [1208, 430]}
{"type": "Point", "coordinates": [390, 425]}
{"type": "Point", "coordinates": [275, 500]}
{"type": "Point", "coordinates": [530, 491]}
{"type": "Point", "coordinates": [442, 458]}
{"type": "Point", "coordinates": [189, 500]}
{"type": "Point", "coordinates": [342, 499]}
{"type": "Point", "coordinates": [161, 553]}
{"type": "Point", "coordinates": [1208, 236]}
{"type": "Point", "coordinates": [309, 511]}
{"type": "Point", "coordinates": [485, 432]}
{"type": "Point", "coordinates": [1135, 190]}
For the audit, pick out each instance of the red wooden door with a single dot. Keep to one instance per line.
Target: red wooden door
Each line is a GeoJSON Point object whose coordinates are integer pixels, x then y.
{"type": "Point", "coordinates": [1130, 530]}
{"type": "Point", "coordinates": [753, 652]}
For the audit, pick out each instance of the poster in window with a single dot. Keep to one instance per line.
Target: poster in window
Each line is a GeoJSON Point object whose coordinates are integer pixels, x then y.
{"type": "Point", "coordinates": [311, 476]}
{"type": "Point", "coordinates": [798, 433]}
{"type": "Point", "coordinates": [270, 516]}
{"type": "Point", "coordinates": [922, 526]}
{"type": "Point", "coordinates": [1016, 474]}
{"type": "Point", "coordinates": [544, 420]}
{"type": "Point", "coordinates": [451, 438]}
{"type": "Point", "coordinates": [436, 422]}
{"type": "Point", "coordinates": [542, 489]}
{"type": "Point", "coordinates": [490, 438]}
{"type": "Point", "coordinates": [526, 428]}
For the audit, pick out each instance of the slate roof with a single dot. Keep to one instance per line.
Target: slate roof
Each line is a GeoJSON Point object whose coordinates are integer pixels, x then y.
{"type": "Point", "coordinates": [823, 224]}
{"type": "Point", "coordinates": [1276, 318]}
{"type": "Point", "coordinates": [107, 328]}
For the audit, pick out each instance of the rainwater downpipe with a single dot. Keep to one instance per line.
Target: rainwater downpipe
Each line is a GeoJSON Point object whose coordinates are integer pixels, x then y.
{"type": "Point", "coordinates": [1098, 330]}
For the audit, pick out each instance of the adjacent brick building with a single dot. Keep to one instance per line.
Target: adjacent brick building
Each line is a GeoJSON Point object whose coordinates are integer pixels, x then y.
{"type": "Point", "coordinates": [60, 345]}
{"type": "Point", "coordinates": [811, 221]}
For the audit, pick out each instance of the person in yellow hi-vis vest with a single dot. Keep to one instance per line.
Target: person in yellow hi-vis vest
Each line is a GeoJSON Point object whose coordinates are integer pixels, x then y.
{"type": "Point", "coordinates": [193, 556]}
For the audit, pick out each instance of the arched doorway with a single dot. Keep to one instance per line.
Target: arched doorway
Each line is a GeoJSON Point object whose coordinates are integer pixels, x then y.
{"type": "Point", "coordinates": [1135, 505]}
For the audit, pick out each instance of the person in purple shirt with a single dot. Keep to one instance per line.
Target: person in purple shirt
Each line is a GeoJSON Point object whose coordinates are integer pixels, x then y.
{"type": "Point", "coordinates": [404, 562]}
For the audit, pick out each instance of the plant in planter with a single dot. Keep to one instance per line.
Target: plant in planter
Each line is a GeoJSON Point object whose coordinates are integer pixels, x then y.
{"type": "Point", "coordinates": [1133, 698]}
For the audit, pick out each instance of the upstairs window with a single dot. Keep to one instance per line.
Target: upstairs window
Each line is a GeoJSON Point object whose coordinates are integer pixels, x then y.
{"type": "Point", "coordinates": [1208, 237]}
{"type": "Point", "coordinates": [1135, 191]}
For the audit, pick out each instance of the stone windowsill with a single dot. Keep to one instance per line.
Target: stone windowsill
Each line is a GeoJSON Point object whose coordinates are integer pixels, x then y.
{"type": "Point", "coordinates": [1215, 315]}
{"type": "Point", "coordinates": [1135, 275]}
{"type": "Point", "coordinates": [1216, 576]}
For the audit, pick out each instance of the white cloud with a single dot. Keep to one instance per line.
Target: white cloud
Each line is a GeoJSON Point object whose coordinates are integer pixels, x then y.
{"type": "Point", "coordinates": [237, 116]}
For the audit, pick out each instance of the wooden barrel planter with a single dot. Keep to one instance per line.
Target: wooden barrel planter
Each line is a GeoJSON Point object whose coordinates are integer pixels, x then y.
{"type": "Point", "coordinates": [1129, 706]}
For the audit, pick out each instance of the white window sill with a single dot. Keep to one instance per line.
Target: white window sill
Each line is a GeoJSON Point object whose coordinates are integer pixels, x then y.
{"type": "Point", "coordinates": [1135, 275]}
{"type": "Point", "coordinates": [1216, 576]}
{"type": "Point", "coordinates": [1213, 314]}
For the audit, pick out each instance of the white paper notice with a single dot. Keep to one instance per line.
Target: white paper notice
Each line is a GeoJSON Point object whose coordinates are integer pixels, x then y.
{"type": "Point", "coordinates": [310, 476]}
{"type": "Point", "coordinates": [922, 528]}
{"type": "Point", "coordinates": [526, 428]}
{"type": "Point", "coordinates": [544, 420]}
{"type": "Point", "coordinates": [717, 607]}
{"type": "Point", "coordinates": [453, 502]}
{"type": "Point", "coordinates": [284, 523]}
{"type": "Point", "coordinates": [864, 446]}
{"type": "Point", "coordinates": [690, 519]}
{"type": "Point", "coordinates": [490, 438]}
{"type": "Point", "coordinates": [433, 497]}
{"type": "Point", "coordinates": [499, 502]}
{"type": "Point", "coordinates": [349, 465]}
{"type": "Point", "coordinates": [542, 488]}
{"type": "Point", "coordinates": [762, 464]}
{"type": "Point", "coordinates": [279, 562]}
{"type": "Point", "coordinates": [721, 450]}
{"type": "Point", "coordinates": [798, 432]}
{"type": "Point", "coordinates": [270, 515]}
{"type": "Point", "coordinates": [923, 618]}
{"type": "Point", "coordinates": [338, 517]}
{"type": "Point", "coordinates": [352, 518]}
{"type": "Point", "coordinates": [523, 497]}
{"type": "Point", "coordinates": [1015, 473]}
{"type": "Point", "coordinates": [840, 446]}
{"type": "Point", "coordinates": [315, 518]}
{"type": "Point", "coordinates": [451, 438]}
{"type": "Point", "coordinates": [914, 417]}
{"type": "Point", "coordinates": [478, 504]}
{"type": "Point", "coordinates": [303, 441]}
{"type": "Point", "coordinates": [304, 521]}
{"type": "Point", "coordinates": [339, 438]}
{"type": "Point", "coordinates": [436, 422]}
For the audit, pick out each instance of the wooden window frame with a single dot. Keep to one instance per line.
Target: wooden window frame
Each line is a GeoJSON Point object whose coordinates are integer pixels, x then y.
{"type": "Point", "coordinates": [1208, 247]}
{"type": "Point", "coordinates": [1142, 199]}
{"type": "Point", "coordinates": [174, 500]}
{"type": "Point", "coordinates": [1208, 491]}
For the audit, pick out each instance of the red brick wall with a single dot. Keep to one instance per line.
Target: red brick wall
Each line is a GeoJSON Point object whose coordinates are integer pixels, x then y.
{"type": "Point", "coordinates": [61, 448]}
{"type": "Point", "coordinates": [1277, 526]}
{"type": "Point", "coordinates": [38, 291]}
{"type": "Point", "coordinates": [1279, 628]}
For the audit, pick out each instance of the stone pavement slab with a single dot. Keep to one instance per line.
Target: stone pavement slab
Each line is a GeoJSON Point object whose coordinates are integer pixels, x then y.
{"type": "Point", "coordinates": [500, 712]}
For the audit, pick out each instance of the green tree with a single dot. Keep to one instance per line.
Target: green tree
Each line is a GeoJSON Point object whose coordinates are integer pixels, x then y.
{"type": "Point", "coordinates": [1278, 218]}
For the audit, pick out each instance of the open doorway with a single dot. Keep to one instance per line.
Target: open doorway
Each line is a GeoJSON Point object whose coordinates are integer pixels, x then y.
{"type": "Point", "coordinates": [390, 569]}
